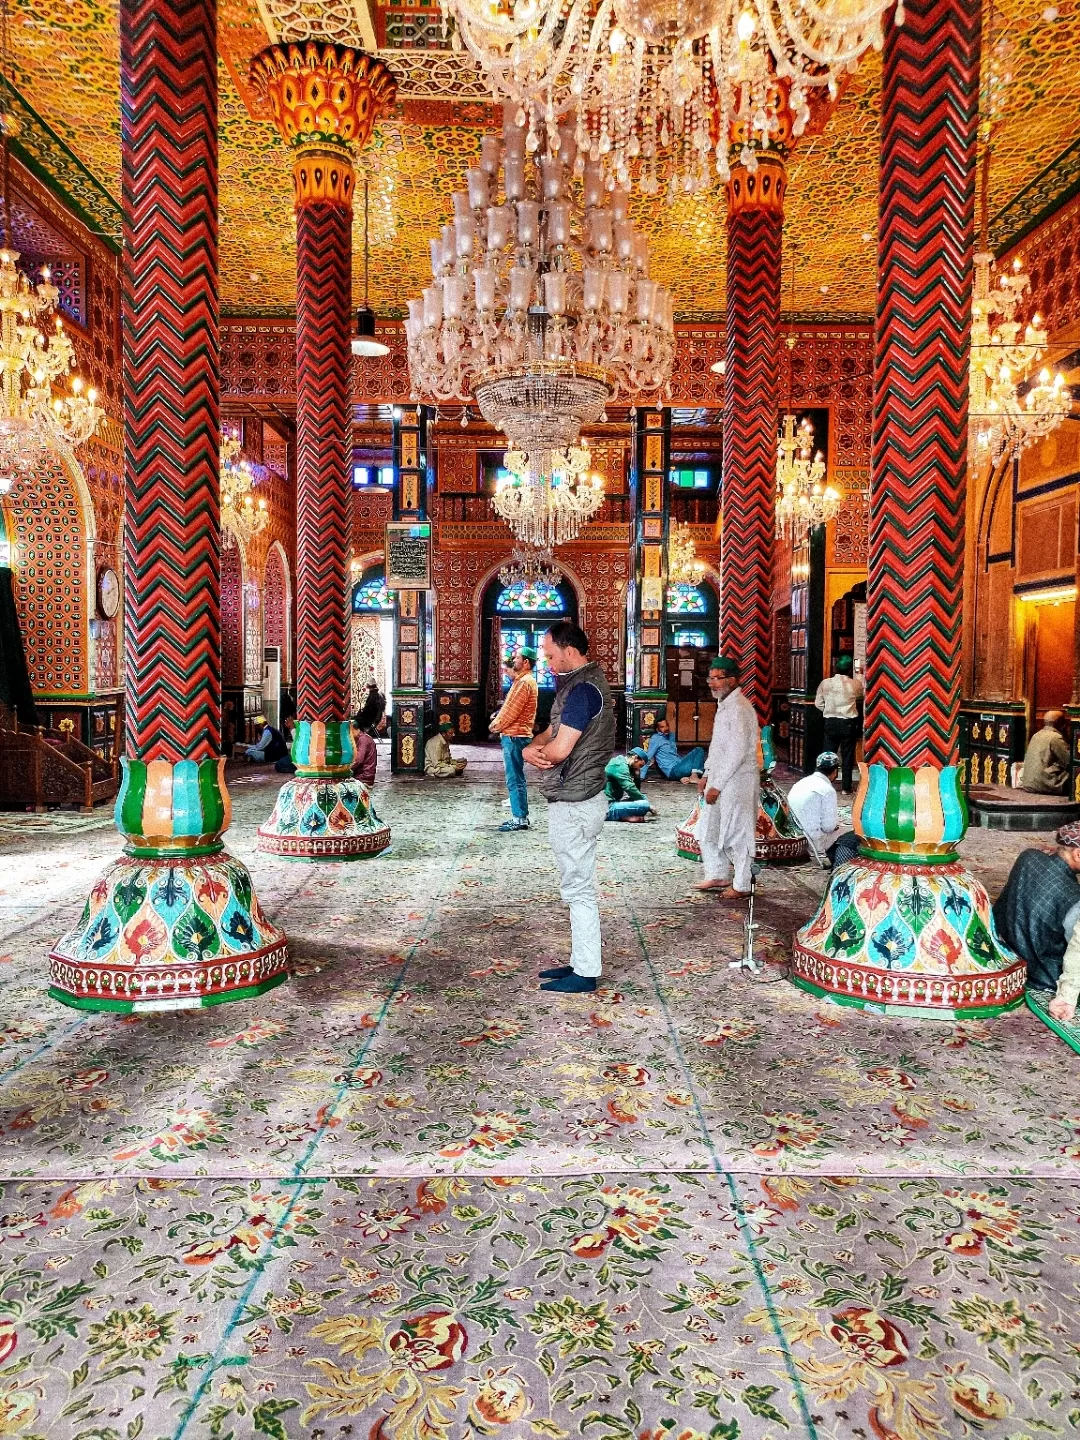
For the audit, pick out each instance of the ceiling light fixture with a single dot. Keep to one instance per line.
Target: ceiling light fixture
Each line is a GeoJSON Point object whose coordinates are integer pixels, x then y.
{"type": "Point", "coordinates": [364, 341]}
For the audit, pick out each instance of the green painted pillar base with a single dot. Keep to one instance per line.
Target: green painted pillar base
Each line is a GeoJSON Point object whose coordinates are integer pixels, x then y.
{"type": "Point", "coordinates": [174, 924]}
{"type": "Point", "coordinates": [905, 929]}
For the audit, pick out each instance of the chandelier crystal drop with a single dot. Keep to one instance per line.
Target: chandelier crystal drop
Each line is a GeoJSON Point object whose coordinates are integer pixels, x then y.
{"type": "Point", "coordinates": [45, 405]}
{"type": "Point", "coordinates": [1009, 408]}
{"type": "Point", "coordinates": [655, 88]}
{"type": "Point", "coordinates": [803, 500]}
{"type": "Point", "coordinates": [684, 568]}
{"type": "Point", "coordinates": [243, 513]}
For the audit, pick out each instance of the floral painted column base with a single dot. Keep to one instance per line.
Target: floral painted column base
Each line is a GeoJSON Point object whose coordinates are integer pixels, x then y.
{"type": "Point", "coordinates": [778, 838]}
{"type": "Point", "coordinates": [905, 929]}
{"type": "Point", "coordinates": [323, 814]}
{"type": "Point", "coordinates": [174, 924]}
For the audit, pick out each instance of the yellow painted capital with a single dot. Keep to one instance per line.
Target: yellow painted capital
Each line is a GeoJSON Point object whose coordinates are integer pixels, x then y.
{"type": "Point", "coordinates": [322, 94]}
{"type": "Point", "coordinates": [324, 173]}
{"type": "Point", "coordinates": [761, 189]}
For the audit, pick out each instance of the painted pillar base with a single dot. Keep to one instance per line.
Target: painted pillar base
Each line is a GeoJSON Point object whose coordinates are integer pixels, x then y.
{"type": "Point", "coordinates": [323, 814]}
{"type": "Point", "coordinates": [777, 840]}
{"type": "Point", "coordinates": [904, 929]}
{"type": "Point", "coordinates": [174, 924]}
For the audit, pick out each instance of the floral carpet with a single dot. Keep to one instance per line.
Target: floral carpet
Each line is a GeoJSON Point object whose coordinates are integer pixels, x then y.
{"type": "Point", "coordinates": [410, 1197]}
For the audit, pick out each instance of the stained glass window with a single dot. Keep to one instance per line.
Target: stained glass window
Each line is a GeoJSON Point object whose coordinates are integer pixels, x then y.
{"type": "Point", "coordinates": [691, 479]}
{"type": "Point", "coordinates": [371, 596]}
{"type": "Point", "coordinates": [512, 639]}
{"type": "Point", "coordinates": [696, 639]}
{"type": "Point", "coordinates": [684, 599]}
{"type": "Point", "coordinates": [527, 599]}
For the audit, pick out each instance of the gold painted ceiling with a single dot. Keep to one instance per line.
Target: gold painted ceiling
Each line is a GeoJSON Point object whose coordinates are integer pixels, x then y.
{"type": "Point", "coordinates": [66, 69]}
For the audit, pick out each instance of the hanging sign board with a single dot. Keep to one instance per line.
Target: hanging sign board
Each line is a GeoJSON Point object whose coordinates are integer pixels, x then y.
{"type": "Point", "coordinates": [408, 556]}
{"type": "Point", "coordinates": [859, 647]}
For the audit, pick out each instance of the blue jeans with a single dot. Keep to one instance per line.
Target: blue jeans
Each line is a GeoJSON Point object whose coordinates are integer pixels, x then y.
{"type": "Point", "coordinates": [627, 809]}
{"type": "Point", "coordinates": [685, 763]}
{"type": "Point", "coordinates": [512, 746]}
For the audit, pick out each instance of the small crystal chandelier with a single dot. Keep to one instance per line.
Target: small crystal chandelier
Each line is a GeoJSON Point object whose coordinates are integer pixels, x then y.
{"type": "Point", "coordinates": [243, 514]}
{"type": "Point", "coordinates": [684, 568]}
{"type": "Point", "coordinates": [533, 569]}
{"type": "Point", "coordinates": [546, 503]}
{"type": "Point", "coordinates": [803, 501]}
{"type": "Point", "coordinates": [656, 86]}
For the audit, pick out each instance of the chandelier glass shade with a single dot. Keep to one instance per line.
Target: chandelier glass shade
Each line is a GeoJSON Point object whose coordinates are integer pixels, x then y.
{"type": "Point", "coordinates": [803, 500]}
{"type": "Point", "coordinates": [243, 513]}
{"type": "Point", "coordinates": [684, 568]}
{"type": "Point", "coordinates": [546, 496]}
{"type": "Point", "coordinates": [1009, 407]}
{"type": "Point", "coordinates": [658, 88]}
{"type": "Point", "coordinates": [45, 406]}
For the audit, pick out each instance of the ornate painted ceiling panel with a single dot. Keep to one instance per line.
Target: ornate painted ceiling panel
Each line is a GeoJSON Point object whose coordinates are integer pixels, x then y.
{"type": "Point", "coordinates": [66, 66]}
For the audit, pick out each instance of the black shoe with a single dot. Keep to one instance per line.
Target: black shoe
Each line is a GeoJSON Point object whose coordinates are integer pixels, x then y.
{"type": "Point", "coordinates": [572, 984]}
{"type": "Point", "coordinates": [557, 972]}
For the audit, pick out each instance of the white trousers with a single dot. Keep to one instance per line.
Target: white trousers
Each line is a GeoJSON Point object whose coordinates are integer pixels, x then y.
{"type": "Point", "coordinates": [574, 827]}
{"type": "Point", "coordinates": [728, 831]}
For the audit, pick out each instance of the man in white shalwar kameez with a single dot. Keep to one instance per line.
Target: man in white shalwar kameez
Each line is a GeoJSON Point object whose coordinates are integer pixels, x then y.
{"type": "Point", "coordinates": [730, 785]}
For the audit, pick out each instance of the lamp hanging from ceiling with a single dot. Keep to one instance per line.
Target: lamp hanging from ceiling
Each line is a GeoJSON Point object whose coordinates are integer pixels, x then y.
{"type": "Point", "coordinates": [656, 86]}
{"type": "Point", "coordinates": [803, 500]}
{"type": "Point", "coordinates": [684, 568]}
{"type": "Point", "coordinates": [535, 569]}
{"type": "Point", "coordinates": [541, 309]}
{"type": "Point", "coordinates": [44, 405]}
{"type": "Point", "coordinates": [1009, 406]}
{"type": "Point", "coordinates": [364, 342]}
{"type": "Point", "coordinates": [243, 513]}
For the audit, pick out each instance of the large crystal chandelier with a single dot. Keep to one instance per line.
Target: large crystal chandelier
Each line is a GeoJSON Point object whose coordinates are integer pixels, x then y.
{"type": "Point", "coordinates": [657, 86]}
{"type": "Point", "coordinates": [37, 416]}
{"type": "Point", "coordinates": [243, 513]}
{"type": "Point", "coordinates": [803, 500]}
{"type": "Point", "coordinates": [1007, 412]}
{"type": "Point", "coordinates": [684, 568]}
{"type": "Point", "coordinates": [540, 308]}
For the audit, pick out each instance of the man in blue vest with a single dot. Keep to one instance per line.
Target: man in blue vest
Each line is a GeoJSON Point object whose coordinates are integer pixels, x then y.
{"type": "Point", "coordinates": [572, 755]}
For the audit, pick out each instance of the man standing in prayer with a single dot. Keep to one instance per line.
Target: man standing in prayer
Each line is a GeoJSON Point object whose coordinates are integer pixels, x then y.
{"type": "Point", "coordinates": [1046, 761]}
{"type": "Point", "coordinates": [1038, 916]}
{"type": "Point", "coordinates": [514, 726]}
{"type": "Point", "coordinates": [838, 700]}
{"type": "Point", "coordinates": [438, 762]}
{"type": "Point", "coordinates": [730, 785]}
{"type": "Point", "coordinates": [664, 754]}
{"type": "Point", "coordinates": [571, 755]}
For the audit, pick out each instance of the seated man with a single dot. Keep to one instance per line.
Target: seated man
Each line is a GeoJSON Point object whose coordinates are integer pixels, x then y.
{"type": "Point", "coordinates": [664, 754]}
{"type": "Point", "coordinates": [813, 803]}
{"type": "Point", "coordinates": [271, 744]}
{"type": "Point", "coordinates": [1038, 915]}
{"type": "Point", "coordinates": [285, 766]}
{"type": "Point", "coordinates": [365, 753]}
{"type": "Point", "coordinates": [1046, 762]}
{"type": "Point", "coordinates": [626, 802]}
{"type": "Point", "coordinates": [438, 762]}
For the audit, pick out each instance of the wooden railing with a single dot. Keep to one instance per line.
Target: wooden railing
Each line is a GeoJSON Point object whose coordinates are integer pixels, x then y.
{"type": "Point", "coordinates": [40, 767]}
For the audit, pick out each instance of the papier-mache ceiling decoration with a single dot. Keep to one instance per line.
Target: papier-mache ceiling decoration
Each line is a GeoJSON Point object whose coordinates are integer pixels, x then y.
{"type": "Point", "coordinates": [66, 55]}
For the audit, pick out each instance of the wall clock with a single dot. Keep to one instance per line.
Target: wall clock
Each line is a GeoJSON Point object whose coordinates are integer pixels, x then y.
{"type": "Point", "coordinates": [108, 593]}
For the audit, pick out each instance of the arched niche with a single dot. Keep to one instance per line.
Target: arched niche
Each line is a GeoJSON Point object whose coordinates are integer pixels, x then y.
{"type": "Point", "coordinates": [277, 606]}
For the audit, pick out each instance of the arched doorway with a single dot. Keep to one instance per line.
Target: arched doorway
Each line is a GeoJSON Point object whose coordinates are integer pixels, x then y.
{"type": "Point", "coordinates": [516, 615]}
{"type": "Point", "coordinates": [371, 637]}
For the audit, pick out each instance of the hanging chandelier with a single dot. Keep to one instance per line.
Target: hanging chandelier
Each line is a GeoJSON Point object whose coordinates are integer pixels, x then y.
{"type": "Point", "coordinates": [547, 504]}
{"type": "Point", "coordinates": [657, 87]}
{"type": "Point", "coordinates": [684, 568]}
{"type": "Point", "coordinates": [803, 500]}
{"type": "Point", "coordinates": [34, 419]}
{"type": "Point", "coordinates": [542, 310]}
{"type": "Point", "coordinates": [532, 569]}
{"type": "Point", "coordinates": [1007, 412]}
{"type": "Point", "coordinates": [243, 514]}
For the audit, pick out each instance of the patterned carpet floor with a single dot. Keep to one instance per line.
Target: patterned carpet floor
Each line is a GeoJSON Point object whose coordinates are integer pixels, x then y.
{"type": "Point", "coordinates": [408, 1196]}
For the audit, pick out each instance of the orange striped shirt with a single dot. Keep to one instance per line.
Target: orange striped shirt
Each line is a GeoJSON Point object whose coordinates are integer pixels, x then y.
{"type": "Point", "coordinates": [518, 710]}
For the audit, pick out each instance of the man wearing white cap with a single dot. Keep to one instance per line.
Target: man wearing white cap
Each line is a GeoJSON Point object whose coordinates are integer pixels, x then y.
{"type": "Point", "coordinates": [730, 785]}
{"type": "Point", "coordinates": [813, 801]}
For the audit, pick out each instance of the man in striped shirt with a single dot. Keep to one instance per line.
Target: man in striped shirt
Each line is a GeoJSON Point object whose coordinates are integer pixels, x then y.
{"type": "Point", "coordinates": [514, 726]}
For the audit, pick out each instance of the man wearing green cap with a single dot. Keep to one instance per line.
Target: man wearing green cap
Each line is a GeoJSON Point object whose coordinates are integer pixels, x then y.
{"type": "Point", "coordinates": [730, 785]}
{"type": "Point", "coordinates": [514, 726]}
{"type": "Point", "coordinates": [838, 698]}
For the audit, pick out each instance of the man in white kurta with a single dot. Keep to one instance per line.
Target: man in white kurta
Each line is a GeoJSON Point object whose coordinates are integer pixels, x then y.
{"type": "Point", "coordinates": [730, 785]}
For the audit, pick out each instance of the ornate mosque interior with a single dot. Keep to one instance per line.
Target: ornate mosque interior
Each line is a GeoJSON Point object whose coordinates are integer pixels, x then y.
{"type": "Point", "coordinates": [347, 347]}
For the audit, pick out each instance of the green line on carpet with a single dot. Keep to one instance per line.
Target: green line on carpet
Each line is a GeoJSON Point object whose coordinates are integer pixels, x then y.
{"type": "Point", "coordinates": [216, 1359]}
{"type": "Point", "coordinates": [744, 1229]}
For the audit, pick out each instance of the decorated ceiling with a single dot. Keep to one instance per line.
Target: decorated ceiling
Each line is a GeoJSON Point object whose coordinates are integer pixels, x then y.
{"type": "Point", "coordinates": [66, 62]}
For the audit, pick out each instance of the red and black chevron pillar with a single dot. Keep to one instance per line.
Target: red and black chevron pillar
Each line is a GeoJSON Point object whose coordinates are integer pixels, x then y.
{"type": "Point", "coordinates": [754, 256]}
{"type": "Point", "coordinates": [173, 923]}
{"type": "Point", "coordinates": [324, 99]}
{"type": "Point", "coordinates": [904, 926]}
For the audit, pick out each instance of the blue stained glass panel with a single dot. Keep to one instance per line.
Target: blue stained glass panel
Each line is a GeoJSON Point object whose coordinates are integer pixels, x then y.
{"type": "Point", "coordinates": [696, 639]}
{"type": "Point", "coordinates": [372, 596]}
{"type": "Point", "coordinates": [684, 599]}
{"type": "Point", "coordinates": [521, 598]}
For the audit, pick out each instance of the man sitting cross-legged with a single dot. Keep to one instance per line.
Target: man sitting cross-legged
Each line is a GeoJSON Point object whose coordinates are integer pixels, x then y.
{"type": "Point", "coordinates": [1038, 915]}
